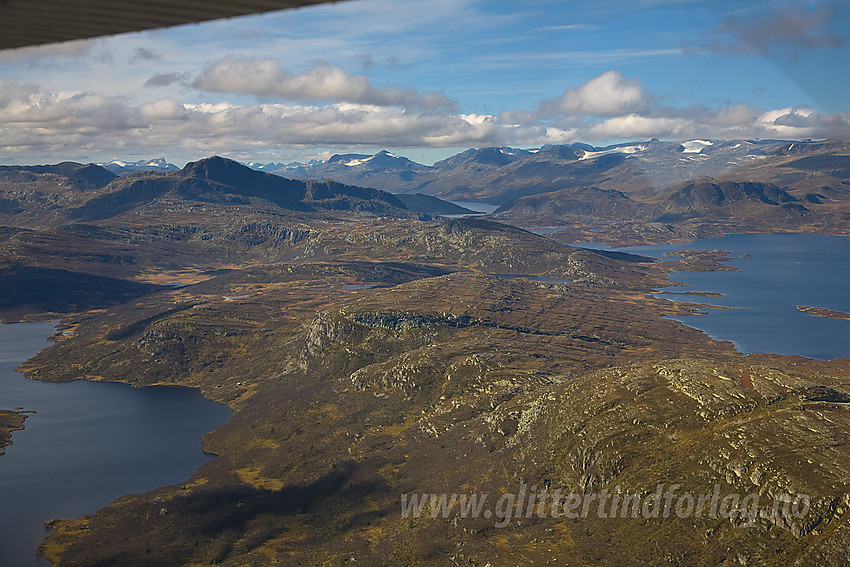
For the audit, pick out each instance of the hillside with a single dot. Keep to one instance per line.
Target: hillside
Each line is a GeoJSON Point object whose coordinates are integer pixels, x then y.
{"type": "Point", "coordinates": [498, 175]}
{"type": "Point", "coordinates": [444, 380]}
{"type": "Point", "coordinates": [371, 352]}
{"type": "Point", "coordinates": [647, 191]}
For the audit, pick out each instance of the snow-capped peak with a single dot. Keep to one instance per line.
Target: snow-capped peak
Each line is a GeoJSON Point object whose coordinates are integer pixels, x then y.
{"type": "Point", "coordinates": [356, 162]}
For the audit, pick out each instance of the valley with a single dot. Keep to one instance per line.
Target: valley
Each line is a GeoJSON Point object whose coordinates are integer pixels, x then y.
{"type": "Point", "coordinates": [371, 348]}
{"type": "Point", "coordinates": [628, 194]}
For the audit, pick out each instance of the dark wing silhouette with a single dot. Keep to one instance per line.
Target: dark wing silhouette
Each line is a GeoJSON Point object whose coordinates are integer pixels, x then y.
{"type": "Point", "coordinates": [36, 22]}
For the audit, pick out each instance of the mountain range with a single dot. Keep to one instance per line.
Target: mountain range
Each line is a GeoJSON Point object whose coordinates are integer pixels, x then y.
{"type": "Point", "coordinates": [499, 175]}
{"type": "Point", "coordinates": [51, 195]}
{"type": "Point", "coordinates": [630, 193]}
{"type": "Point", "coordinates": [370, 351]}
{"type": "Point", "coordinates": [119, 167]}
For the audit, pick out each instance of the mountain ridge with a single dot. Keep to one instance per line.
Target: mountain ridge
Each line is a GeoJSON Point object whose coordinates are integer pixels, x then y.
{"type": "Point", "coordinates": [499, 174]}
{"type": "Point", "coordinates": [369, 352]}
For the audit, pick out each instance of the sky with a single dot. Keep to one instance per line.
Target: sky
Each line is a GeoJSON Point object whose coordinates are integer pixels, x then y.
{"type": "Point", "coordinates": [429, 78]}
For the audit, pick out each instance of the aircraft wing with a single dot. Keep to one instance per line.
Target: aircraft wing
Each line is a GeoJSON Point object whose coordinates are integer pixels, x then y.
{"type": "Point", "coordinates": [35, 22]}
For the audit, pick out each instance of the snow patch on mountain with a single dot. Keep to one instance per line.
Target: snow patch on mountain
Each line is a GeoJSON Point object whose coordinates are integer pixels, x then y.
{"type": "Point", "coordinates": [356, 162]}
{"type": "Point", "coordinates": [121, 167]}
{"type": "Point", "coordinates": [695, 146]}
{"type": "Point", "coordinates": [618, 150]}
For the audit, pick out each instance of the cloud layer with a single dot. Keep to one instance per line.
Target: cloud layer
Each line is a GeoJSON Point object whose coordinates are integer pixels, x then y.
{"type": "Point", "coordinates": [265, 78]}
{"type": "Point", "coordinates": [606, 108]}
{"type": "Point", "coordinates": [364, 75]}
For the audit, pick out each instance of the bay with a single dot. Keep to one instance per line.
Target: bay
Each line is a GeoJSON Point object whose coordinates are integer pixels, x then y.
{"type": "Point", "coordinates": [776, 273]}
{"type": "Point", "coordinates": [87, 444]}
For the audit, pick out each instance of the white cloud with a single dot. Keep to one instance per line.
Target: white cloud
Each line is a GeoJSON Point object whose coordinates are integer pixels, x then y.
{"type": "Point", "coordinates": [265, 78]}
{"type": "Point", "coordinates": [164, 109]}
{"type": "Point", "coordinates": [729, 117]}
{"type": "Point", "coordinates": [36, 124]}
{"type": "Point", "coordinates": [609, 94]}
{"type": "Point", "coordinates": [63, 122]}
{"type": "Point", "coordinates": [802, 122]}
{"type": "Point", "coordinates": [636, 126]}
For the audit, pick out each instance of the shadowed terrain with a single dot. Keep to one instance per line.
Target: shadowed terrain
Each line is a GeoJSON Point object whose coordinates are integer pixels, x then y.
{"type": "Point", "coordinates": [370, 352]}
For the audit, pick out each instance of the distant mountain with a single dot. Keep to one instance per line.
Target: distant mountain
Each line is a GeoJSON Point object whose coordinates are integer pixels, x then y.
{"type": "Point", "coordinates": [582, 202]}
{"type": "Point", "coordinates": [381, 171]}
{"type": "Point", "coordinates": [456, 175]}
{"type": "Point", "coordinates": [398, 174]}
{"type": "Point", "coordinates": [220, 181]}
{"type": "Point", "coordinates": [699, 208]}
{"type": "Point", "coordinates": [704, 199]}
{"type": "Point", "coordinates": [499, 175]}
{"type": "Point", "coordinates": [485, 158]}
{"type": "Point", "coordinates": [751, 185]}
{"type": "Point", "coordinates": [33, 196]}
{"type": "Point", "coordinates": [54, 195]}
{"type": "Point", "coordinates": [119, 167]}
{"type": "Point", "coordinates": [549, 169]}
{"type": "Point", "coordinates": [66, 174]}
{"type": "Point", "coordinates": [291, 170]}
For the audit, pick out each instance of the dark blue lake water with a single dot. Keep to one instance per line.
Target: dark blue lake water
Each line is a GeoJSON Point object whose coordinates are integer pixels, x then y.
{"type": "Point", "coordinates": [783, 271]}
{"type": "Point", "coordinates": [88, 444]}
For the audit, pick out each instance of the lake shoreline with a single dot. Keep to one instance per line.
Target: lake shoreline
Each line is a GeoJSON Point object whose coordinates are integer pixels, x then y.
{"type": "Point", "coordinates": [765, 282]}
{"type": "Point", "coordinates": [694, 261]}
{"type": "Point", "coordinates": [826, 313]}
{"type": "Point", "coordinates": [87, 445]}
{"type": "Point", "coordinates": [10, 421]}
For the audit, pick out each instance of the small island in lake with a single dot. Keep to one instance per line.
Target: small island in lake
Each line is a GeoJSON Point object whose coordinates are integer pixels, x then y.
{"type": "Point", "coordinates": [828, 313]}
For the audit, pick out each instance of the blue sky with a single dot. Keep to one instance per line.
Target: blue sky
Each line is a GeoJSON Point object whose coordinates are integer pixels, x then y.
{"type": "Point", "coordinates": [428, 78]}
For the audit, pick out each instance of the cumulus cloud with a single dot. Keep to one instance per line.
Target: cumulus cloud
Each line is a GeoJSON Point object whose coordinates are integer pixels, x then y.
{"type": "Point", "coordinates": [265, 78]}
{"type": "Point", "coordinates": [802, 122]}
{"type": "Point", "coordinates": [36, 122]}
{"type": "Point", "coordinates": [634, 126]}
{"type": "Point", "coordinates": [789, 30]}
{"type": "Point", "coordinates": [609, 94]}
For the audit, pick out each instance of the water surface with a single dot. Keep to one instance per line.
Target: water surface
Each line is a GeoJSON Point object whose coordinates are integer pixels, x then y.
{"type": "Point", "coordinates": [479, 208]}
{"type": "Point", "coordinates": [88, 443]}
{"type": "Point", "coordinates": [776, 273]}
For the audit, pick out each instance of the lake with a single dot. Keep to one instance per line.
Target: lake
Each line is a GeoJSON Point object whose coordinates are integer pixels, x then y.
{"type": "Point", "coordinates": [478, 208]}
{"type": "Point", "coordinates": [88, 443]}
{"type": "Point", "coordinates": [782, 271]}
